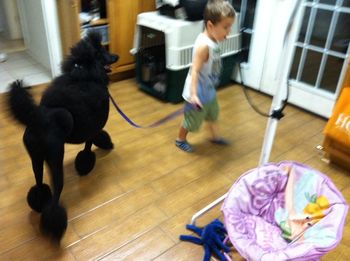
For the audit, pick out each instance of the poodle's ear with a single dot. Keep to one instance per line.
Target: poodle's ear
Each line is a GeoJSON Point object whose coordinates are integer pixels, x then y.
{"type": "Point", "coordinates": [94, 38]}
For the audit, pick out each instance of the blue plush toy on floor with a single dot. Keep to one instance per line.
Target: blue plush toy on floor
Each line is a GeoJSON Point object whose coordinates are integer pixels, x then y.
{"type": "Point", "coordinates": [211, 237]}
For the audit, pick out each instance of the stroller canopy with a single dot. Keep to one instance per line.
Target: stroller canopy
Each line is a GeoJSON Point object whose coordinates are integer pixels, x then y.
{"type": "Point", "coordinates": [284, 211]}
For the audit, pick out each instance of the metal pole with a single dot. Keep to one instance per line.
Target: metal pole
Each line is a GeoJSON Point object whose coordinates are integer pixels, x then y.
{"type": "Point", "coordinates": [277, 101]}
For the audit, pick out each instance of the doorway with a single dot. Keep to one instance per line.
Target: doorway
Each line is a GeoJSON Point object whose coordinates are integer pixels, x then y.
{"type": "Point", "coordinates": [33, 51]}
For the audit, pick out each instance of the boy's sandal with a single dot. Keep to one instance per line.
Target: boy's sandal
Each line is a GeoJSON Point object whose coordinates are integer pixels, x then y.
{"type": "Point", "coordinates": [184, 145]}
{"type": "Point", "coordinates": [220, 141]}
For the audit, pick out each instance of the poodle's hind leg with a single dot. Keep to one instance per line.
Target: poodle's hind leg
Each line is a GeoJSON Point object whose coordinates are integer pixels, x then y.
{"type": "Point", "coordinates": [40, 194]}
{"type": "Point", "coordinates": [103, 140]}
{"type": "Point", "coordinates": [54, 216]}
{"type": "Point", "coordinates": [85, 160]}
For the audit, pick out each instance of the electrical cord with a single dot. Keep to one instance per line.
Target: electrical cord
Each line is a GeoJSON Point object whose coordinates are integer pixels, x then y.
{"type": "Point", "coordinates": [278, 114]}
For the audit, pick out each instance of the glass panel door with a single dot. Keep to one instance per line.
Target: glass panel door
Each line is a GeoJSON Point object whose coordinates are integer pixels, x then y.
{"type": "Point", "coordinates": [317, 61]}
{"type": "Point", "coordinates": [322, 45]}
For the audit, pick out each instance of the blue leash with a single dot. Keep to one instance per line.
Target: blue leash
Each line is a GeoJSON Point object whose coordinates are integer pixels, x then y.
{"type": "Point", "coordinates": [155, 124]}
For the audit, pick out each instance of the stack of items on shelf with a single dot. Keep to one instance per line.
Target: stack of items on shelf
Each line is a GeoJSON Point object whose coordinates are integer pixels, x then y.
{"type": "Point", "coordinates": [93, 18]}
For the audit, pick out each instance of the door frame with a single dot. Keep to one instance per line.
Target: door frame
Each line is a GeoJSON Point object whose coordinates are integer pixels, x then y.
{"type": "Point", "coordinates": [51, 24]}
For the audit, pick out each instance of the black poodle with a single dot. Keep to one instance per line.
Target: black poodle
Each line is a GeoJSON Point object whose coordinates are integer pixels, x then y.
{"type": "Point", "coordinates": [73, 109]}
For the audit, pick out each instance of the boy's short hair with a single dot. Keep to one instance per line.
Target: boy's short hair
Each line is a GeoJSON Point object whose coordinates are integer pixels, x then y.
{"type": "Point", "coordinates": [215, 10]}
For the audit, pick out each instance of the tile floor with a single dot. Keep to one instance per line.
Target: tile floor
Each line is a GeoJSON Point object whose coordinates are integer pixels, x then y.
{"type": "Point", "coordinates": [20, 65]}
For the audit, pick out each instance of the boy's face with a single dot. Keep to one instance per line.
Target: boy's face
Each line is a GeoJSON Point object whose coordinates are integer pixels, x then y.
{"type": "Point", "coordinates": [221, 29]}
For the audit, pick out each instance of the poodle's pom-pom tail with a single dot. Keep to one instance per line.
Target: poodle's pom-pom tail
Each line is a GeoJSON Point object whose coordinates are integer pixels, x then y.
{"type": "Point", "coordinates": [54, 221]}
{"type": "Point", "coordinates": [22, 105]}
{"type": "Point", "coordinates": [38, 197]}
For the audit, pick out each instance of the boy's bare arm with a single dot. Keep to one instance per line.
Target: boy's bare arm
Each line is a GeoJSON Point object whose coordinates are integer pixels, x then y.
{"type": "Point", "coordinates": [201, 56]}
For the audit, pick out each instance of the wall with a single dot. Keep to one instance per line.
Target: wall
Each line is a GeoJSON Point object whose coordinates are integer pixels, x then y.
{"type": "Point", "coordinates": [2, 17]}
{"type": "Point", "coordinates": [12, 28]}
{"type": "Point", "coordinates": [32, 20]}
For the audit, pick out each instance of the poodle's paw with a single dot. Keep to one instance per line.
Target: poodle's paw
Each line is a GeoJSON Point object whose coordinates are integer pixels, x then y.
{"type": "Point", "coordinates": [39, 196]}
{"type": "Point", "coordinates": [103, 141]}
{"type": "Point", "coordinates": [85, 162]}
{"type": "Point", "coordinates": [53, 221]}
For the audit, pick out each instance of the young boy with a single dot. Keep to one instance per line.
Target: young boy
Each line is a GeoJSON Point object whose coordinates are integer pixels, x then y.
{"type": "Point", "coordinates": [199, 90]}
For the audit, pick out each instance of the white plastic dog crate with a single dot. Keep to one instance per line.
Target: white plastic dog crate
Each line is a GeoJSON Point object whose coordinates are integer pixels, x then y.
{"type": "Point", "coordinates": [163, 48]}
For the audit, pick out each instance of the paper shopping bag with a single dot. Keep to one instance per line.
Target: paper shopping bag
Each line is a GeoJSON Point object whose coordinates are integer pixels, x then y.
{"type": "Point", "coordinates": [338, 126]}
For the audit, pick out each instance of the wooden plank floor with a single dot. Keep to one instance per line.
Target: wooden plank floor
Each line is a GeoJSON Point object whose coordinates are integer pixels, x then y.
{"type": "Point", "coordinates": [138, 199]}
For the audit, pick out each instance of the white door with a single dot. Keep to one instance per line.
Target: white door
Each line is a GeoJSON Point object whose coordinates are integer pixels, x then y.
{"type": "Point", "coordinates": [317, 62]}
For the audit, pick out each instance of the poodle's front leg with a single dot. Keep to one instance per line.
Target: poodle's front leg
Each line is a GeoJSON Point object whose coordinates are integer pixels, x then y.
{"type": "Point", "coordinates": [85, 160]}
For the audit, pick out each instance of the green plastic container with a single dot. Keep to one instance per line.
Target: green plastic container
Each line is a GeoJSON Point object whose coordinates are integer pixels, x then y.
{"type": "Point", "coordinates": [228, 63]}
